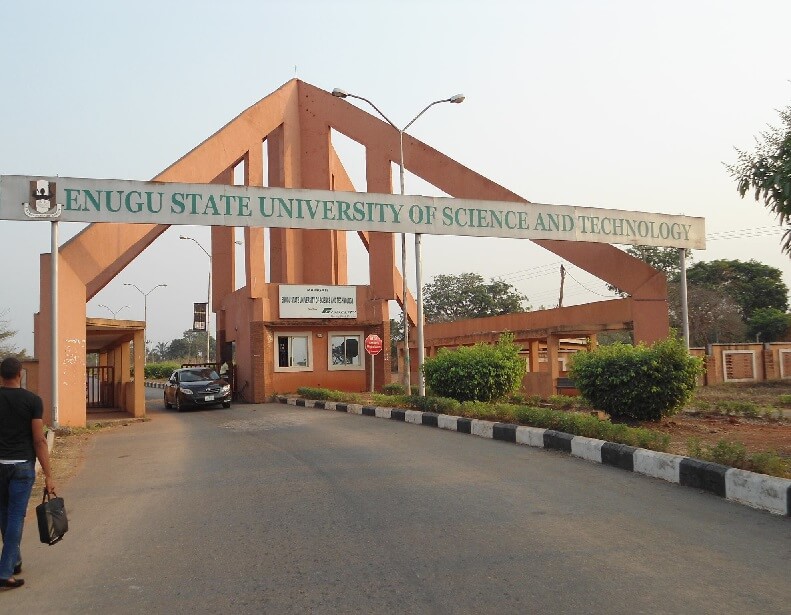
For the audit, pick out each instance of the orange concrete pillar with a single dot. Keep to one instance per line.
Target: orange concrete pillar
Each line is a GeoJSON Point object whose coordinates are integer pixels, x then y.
{"type": "Point", "coordinates": [321, 250]}
{"type": "Point", "coordinates": [552, 357]}
{"type": "Point", "coordinates": [117, 362]}
{"type": "Point", "coordinates": [223, 254]}
{"type": "Point", "coordinates": [381, 250]}
{"type": "Point", "coordinates": [121, 368]}
{"type": "Point", "coordinates": [223, 264]}
{"type": "Point", "coordinates": [138, 408]}
{"type": "Point", "coordinates": [285, 244]}
{"type": "Point", "coordinates": [533, 352]}
{"type": "Point", "coordinates": [71, 362]}
{"type": "Point", "coordinates": [255, 264]}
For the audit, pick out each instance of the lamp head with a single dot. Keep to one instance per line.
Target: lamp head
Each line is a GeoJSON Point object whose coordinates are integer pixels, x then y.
{"type": "Point", "coordinates": [183, 237]}
{"type": "Point", "coordinates": [457, 98]}
{"type": "Point", "coordinates": [339, 93]}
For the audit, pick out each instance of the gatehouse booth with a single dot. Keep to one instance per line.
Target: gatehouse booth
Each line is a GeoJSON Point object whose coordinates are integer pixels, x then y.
{"type": "Point", "coordinates": [303, 324]}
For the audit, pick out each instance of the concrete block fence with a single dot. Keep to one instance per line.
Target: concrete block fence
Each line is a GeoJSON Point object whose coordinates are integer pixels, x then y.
{"type": "Point", "coordinates": [756, 490]}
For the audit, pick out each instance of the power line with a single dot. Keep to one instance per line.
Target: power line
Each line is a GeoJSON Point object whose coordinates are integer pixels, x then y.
{"type": "Point", "coordinates": [585, 287]}
{"type": "Point", "coordinates": [520, 276]}
{"type": "Point", "coordinates": [530, 272]}
{"type": "Point", "coordinates": [760, 231]}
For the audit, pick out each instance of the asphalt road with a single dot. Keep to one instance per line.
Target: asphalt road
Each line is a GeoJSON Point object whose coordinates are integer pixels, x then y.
{"type": "Point", "coordinates": [277, 509]}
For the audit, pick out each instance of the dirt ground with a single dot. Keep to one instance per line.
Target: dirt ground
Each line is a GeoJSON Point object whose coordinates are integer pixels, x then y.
{"type": "Point", "coordinates": [757, 435]}
{"type": "Point", "coordinates": [67, 456]}
{"type": "Point", "coordinates": [709, 422]}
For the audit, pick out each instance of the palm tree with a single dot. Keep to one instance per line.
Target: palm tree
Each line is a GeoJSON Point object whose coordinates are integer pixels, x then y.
{"type": "Point", "coordinates": [160, 351]}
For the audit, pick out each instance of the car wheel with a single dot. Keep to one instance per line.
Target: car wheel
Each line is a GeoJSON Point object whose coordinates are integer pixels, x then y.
{"type": "Point", "coordinates": [226, 404]}
{"type": "Point", "coordinates": [178, 404]}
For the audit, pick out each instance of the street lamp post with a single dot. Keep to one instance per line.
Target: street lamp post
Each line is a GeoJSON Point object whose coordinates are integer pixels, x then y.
{"type": "Point", "coordinates": [208, 297]}
{"type": "Point", "coordinates": [112, 311]}
{"type": "Point", "coordinates": [458, 98]}
{"type": "Point", "coordinates": [145, 315]}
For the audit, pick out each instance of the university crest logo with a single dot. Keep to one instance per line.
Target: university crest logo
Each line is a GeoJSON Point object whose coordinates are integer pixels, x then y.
{"type": "Point", "coordinates": [44, 198]}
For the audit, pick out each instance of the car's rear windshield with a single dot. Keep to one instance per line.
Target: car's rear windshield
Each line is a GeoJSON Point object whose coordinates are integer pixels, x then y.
{"type": "Point", "coordinates": [196, 375]}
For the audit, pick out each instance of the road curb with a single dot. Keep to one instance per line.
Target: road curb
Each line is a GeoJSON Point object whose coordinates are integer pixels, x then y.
{"type": "Point", "coordinates": [750, 488]}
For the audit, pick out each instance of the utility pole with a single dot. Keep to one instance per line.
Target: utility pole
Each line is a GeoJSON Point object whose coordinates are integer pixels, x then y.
{"type": "Point", "coordinates": [562, 280]}
{"type": "Point", "coordinates": [682, 256]}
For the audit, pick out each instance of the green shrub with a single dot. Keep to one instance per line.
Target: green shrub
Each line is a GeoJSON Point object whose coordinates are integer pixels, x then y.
{"type": "Point", "coordinates": [637, 382]}
{"type": "Point", "coordinates": [736, 407]}
{"type": "Point", "coordinates": [587, 425]}
{"type": "Point", "coordinates": [770, 463]}
{"type": "Point", "coordinates": [315, 393]}
{"type": "Point", "coordinates": [726, 453]}
{"type": "Point", "coordinates": [562, 402]}
{"type": "Point", "coordinates": [482, 372]}
{"type": "Point", "coordinates": [784, 399]}
{"type": "Point", "coordinates": [735, 454]}
{"type": "Point", "coordinates": [394, 388]}
{"type": "Point", "coordinates": [328, 394]}
{"type": "Point", "coordinates": [158, 371]}
{"type": "Point", "coordinates": [432, 404]}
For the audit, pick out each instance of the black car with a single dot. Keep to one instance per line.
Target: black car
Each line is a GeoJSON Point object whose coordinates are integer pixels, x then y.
{"type": "Point", "coordinates": [196, 387]}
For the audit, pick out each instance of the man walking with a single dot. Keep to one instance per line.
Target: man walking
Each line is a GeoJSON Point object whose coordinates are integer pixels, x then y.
{"type": "Point", "coordinates": [22, 440]}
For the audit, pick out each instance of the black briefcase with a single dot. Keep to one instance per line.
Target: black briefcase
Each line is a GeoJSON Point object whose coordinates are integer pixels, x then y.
{"type": "Point", "coordinates": [52, 521]}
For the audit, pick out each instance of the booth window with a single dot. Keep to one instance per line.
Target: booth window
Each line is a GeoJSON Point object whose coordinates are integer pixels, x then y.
{"type": "Point", "coordinates": [294, 352]}
{"type": "Point", "coordinates": [346, 351]}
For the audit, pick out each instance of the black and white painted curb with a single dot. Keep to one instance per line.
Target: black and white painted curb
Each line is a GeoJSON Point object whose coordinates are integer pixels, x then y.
{"type": "Point", "coordinates": [155, 385]}
{"type": "Point", "coordinates": [757, 490]}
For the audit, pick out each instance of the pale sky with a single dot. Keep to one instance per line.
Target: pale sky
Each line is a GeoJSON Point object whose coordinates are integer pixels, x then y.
{"type": "Point", "coordinates": [621, 105]}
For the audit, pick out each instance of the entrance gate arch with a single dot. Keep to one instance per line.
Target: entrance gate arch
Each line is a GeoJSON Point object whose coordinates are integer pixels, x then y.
{"type": "Point", "coordinates": [294, 123]}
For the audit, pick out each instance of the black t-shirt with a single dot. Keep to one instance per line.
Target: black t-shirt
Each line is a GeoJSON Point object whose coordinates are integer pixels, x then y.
{"type": "Point", "coordinates": [18, 407]}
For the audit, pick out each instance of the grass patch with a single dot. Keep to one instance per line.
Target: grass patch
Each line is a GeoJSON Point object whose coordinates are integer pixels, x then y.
{"type": "Point", "coordinates": [329, 395]}
{"type": "Point", "coordinates": [735, 455]}
{"type": "Point", "coordinates": [737, 407]}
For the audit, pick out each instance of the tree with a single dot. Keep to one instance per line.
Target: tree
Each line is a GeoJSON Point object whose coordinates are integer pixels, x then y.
{"type": "Point", "coordinates": [768, 324]}
{"type": "Point", "coordinates": [455, 297]}
{"type": "Point", "coordinates": [767, 172]}
{"type": "Point", "coordinates": [159, 352]}
{"type": "Point", "coordinates": [7, 347]}
{"type": "Point", "coordinates": [191, 345]}
{"type": "Point", "coordinates": [714, 316]}
{"type": "Point", "coordinates": [396, 337]}
{"type": "Point", "coordinates": [751, 284]}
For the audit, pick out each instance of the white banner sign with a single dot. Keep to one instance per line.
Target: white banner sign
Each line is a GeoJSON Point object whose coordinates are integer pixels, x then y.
{"type": "Point", "coordinates": [111, 200]}
{"type": "Point", "coordinates": [308, 301]}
